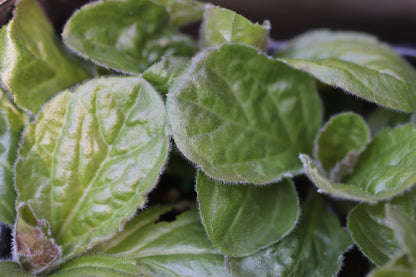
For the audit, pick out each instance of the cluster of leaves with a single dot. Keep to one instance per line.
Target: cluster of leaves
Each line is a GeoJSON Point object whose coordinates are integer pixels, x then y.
{"type": "Point", "coordinates": [76, 167]}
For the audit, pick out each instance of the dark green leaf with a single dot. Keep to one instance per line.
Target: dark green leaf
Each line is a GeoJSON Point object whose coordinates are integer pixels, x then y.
{"type": "Point", "coordinates": [137, 35]}
{"type": "Point", "coordinates": [314, 249]}
{"type": "Point", "coordinates": [357, 63]}
{"type": "Point", "coordinates": [182, 12]}
{"type": "Point", "coordinates": [91, 157]}
{"type": "Point", "coordinates": [240, 220]}
{"type": "Point", "coordinates": [339, 144]}
{"type": "Point", "coordinates": [243, 117]}
{"type": "Point", "coordinates": [11, 125]}
{"type": "Point", "coordinates": [386, 168]}
{"type": "Point", "coordinates": [33, 64]}
{"type": "Point", "coordinates": [372, 230]}
{"type": "Point", "coordinates": [177, 248]}
{"type": "Point", "coordinates": [222, 26]}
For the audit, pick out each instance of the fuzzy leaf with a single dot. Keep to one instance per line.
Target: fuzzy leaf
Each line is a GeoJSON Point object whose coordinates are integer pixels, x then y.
{"type": "Point", "coordinates": [339, 144]}
{"type": "Point", "coordinates": [372, 230]}
{"type": "Point", "coordinates": [177, 248]}
{"type": "Point", "coordinates": [404, 227]}
{"type": "Point", "coordinates": [33, 64]}
{"type": "Point", "coordinates": [34, 248]}
{"type": "Point", "coordinates": [13, 269]}
{"type": "Point", "coordinates": [314, 248]}
{"type": "Point", "coordinates": [240, 220]}
{"type": "Point", "coordinates": [12, 122]}
{"type": "Point", "coordinates": [243, 117]}
{"type": "Point", "coordinates": [164, 73]}
{"type": "Point", "coordinates": [137, 35]}
{"type": "Point", "coordinates": [104, 266]}
{"type": "Point", "coordinates": [357, 63]}
{"type": "Point", "coordinates": [182, 12]}
{"type": "Point", "coordinates": [91, 157]}
{"type": "Point", "coordinates": [398, 267]}
{"type": "Point", "coordinates": [386, 168]}
{"type": "Point", "coordinates": [223, 26]}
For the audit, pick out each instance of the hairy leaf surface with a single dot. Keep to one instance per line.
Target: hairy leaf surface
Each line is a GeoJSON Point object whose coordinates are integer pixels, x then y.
{"type": "Point", "coordinates": [357, 63]}
{"type": "Point", "coordinates": [13, 269]}
{"type": "Point", "coordinates": [177, 248]}
{"type": "Point", "coordinates": [372, 230]}
{"type": "Point", "coordinates": [387, 167]}
{"type": "Point", "coordinates": [33, 64]}
{"type": "Point", "coordinates": [243, 117]}
{"type": "Point", "coordinates": [137, 35]}
{"type": "Point", "coordinates": [239, 220]}
{"type": "Point", "coordinates": [315, 248]}
{"type": "Point", "coordinates": [91, 157]}
{"type": "Point", "coordinates": [223, 26]}
{"type": "Point", "coordinates": [103, 266]}
{"type": "Point", "coordinates": [164, 73]}
{"type": "Point", "coordinates": [12, 122]}
{"type": "Point", "coordinates": [339, 144]}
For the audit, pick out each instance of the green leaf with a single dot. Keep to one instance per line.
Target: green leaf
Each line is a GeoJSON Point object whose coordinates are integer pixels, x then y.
{"type": "Point", "coordinates": [13, 269]}
{"type": "Point", "coordinates": [315, 248]}
{"type": "Point", "coordinates": [222, 26]}
{"type": "Point", "coordinates": [386, 168]}
{"type": "Point", "coordinates": [240, 220]}
{"type": "Point", "coordinates": [383, 118]}
{"type": "Point", "coordinates": [137, 35]}
{"type": "Point", "coordinates": [33, 64]}
{"type": "Point", "coordinates": [12, 122]}
{"type": "Point", "coordinates": [177, 248]}
{"type": "Point", "coordinates": [357, 63]}
{"type": "Point", "coordinates": [164, 73]}
{"type": "Point", "coordinates": [105, 266]}
{"type": "Point", "coordinates": [243, 117]}
{"type": "Point", "coordinates": [372, 231]}
{"type": "Point", "coordinates": [34, 248]}
{"type": "Point", "coordinates": [404, 227]}
{"type": "Point", "coordinates": [339, 144]}
{"type": "Point", "coordinates": [88, 162]}
{"type": "Point", "coordinates": [182, 12]}
{"type": "Point", "coordinates": [398, 267]}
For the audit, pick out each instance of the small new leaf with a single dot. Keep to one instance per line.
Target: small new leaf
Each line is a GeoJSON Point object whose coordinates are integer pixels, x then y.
{"type": "Point", "coordinates": [224, 26]}
{"type": "Point", "coordinates": [240, 220]}
{"type": "Point", "coordinates": [242, 116]}
{"type": "Point", "coordinates": [386, 168]}
{"type": "Point", "coordinates": [356, 63]}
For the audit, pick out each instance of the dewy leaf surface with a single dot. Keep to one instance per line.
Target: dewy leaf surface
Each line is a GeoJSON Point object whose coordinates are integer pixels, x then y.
{"type": "Point", "coordinates": [357, 63]}
{"type": "Point", "coordinates": [371, 229]}
{"type": "Point", "coordinates": [164, 73]}
{"type": "Point", "coordinates": [239, 220]}
{"type": "Point", "coordinates": [91, 157]}
{"type": "Point", "coordinates": [103, 266]}
{"type": "Point", "coordinates": [339, 144]}
{"type": "Point", "coordinates": [177, 248]}
{"type": "Point", "coordinates": [386, 168]}
{"type": "Point", "coordinates": [243, 117]}
{"type": "Point", "coordinates": [33, 63]}
{"type": "Point", "coordinates": [182, 12]}
{"type": "Point", "coordinates": [13, 269]}
{"type": "Point", "coordinates": [223, 26]}
{"type": "Point", "coordinates": [137, 35]}
{"type": "Point", "coordinates": [314, 248]}
{"type": "Point", "coordinates": [12, 122]}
